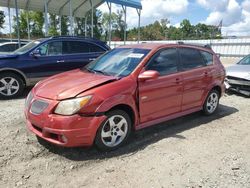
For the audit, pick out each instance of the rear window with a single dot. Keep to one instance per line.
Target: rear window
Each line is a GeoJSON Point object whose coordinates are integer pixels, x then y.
{"type": "Point", "coordinates": [76, 47]}
{"type": "Point", "coordinates": [208, 58]}
{"type": "Point", "coordinates": [190, 58]}
{"type": "Point", "coordinates": [95, 48]}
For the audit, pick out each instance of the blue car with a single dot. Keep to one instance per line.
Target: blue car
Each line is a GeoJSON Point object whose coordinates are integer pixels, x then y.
{"type": "Point", "coordinates": [43, 58]}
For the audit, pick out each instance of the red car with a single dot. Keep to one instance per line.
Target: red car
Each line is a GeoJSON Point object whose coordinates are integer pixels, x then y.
{"type": "Point", "coordinates": [126, 89]}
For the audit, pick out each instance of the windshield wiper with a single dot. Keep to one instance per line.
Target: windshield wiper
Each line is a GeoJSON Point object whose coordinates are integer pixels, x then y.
{"type": "Point", "coordinates": [90, 70]}
{"type": "Point", "coordinates": [102, 72]}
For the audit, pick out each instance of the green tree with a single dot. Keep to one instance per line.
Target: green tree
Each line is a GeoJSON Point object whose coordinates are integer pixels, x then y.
{"type": "Point", "coordinates": [2, 17]}
{"type": "Point", "coordinates": [105, 24]}
{"type": "Point", "coordinates": [54, 21]}
{"type": "Point", "coordinates": [23, 26]}
{"type": "Point", "coordinates": [64, 25]}
{"type": "Point", "coordinates": [37, 19]}
{"type": "Point", "coordinates": [186, 29]}
{"type": "Point", "coordinates": [97, 29]}
{"type": "Point", "coordinates": [119, 25]}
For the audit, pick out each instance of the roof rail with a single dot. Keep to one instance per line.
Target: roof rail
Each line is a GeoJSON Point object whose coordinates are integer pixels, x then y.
{"type": "Point", "coordinates": [67, 36]}
{"type": "Point", "coordinates": [195, 44]}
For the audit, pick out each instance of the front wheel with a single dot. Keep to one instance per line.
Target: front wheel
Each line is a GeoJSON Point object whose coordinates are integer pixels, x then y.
{"type": "Point", "coordinates": [212, 102]}
{"type": "Point", "coordinates": [114, 131]}
{"type": "Point", "coordinates": [11, 85]}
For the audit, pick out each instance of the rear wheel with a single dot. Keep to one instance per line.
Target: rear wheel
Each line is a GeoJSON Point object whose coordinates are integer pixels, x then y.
{"type": "Point", "coordinates": [11, 85]}
{"type": "Point", "coordinates": [212, 102]}
{"type": "Point", "coordinates": [114, 131]}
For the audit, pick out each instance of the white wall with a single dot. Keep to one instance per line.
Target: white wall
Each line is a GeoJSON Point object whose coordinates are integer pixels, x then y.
{"type": "Point", "coordinates": [225, 47]}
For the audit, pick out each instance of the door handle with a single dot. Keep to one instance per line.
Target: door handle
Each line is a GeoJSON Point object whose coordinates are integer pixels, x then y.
{"type": "Point", "coordinates": [92, 59]}
{"type": "Point", "coordinates": [206, 73]}
{"type": "Point", "coordinates": [60, 61]}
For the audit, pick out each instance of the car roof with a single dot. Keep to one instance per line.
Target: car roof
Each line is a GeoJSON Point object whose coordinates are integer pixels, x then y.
{"type": "Point", "coordinates": [76, 38]}
{"type": "Point", "coordinates": [5, 43]}
{"type": "Point", "coordinates": [153, 46]}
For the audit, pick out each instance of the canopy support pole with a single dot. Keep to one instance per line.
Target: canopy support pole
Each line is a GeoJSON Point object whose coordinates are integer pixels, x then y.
{"type": "Point", "coordinates": [60, 24]}
{"type": "Point", "coordinates": [18, 24]}
{"type": "Point", "coordinates": [139, 25]}
{"type": "Point", "coordinates": [85, 26]}
{"type": "Point", "coordinates": [10, 25]}
{"type": "Point", "coordinates": [125, 23]}
{"type": "Point", "coordinates": [92, 18]}
{"type": "Point", "coordinates": [110, 29]}
{"type": "Point", "coordinates": [28, 24]}
{"type": "Point", "coordinates": [46, 17]}
{"type": "Point", "coordinates": [71, 18]}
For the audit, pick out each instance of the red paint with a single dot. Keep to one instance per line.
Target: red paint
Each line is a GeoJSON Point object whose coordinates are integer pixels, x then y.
{"type": "Point", "coordinates": [152, 100]}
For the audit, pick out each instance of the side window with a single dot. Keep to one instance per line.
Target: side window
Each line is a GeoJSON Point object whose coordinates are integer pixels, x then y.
{"type": "Point", "coordinates": [165, 62]}
{"type": "Point", "coordinates": [76, 47]}
{"type": "Point", "coordinates": [50, 49]}
{"type": "Point", "coordinates": [190, 58]}
{"type": "Point", "coordinates": [207, 57]}
{"type": "Point", "coordinates": [95, 48]}
{"type": "Point", "coordinates": [13, 47]}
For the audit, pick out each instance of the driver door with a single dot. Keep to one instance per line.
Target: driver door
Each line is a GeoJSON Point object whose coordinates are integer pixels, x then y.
{"type": "Point", "coordinates": [162, 96]}
{"type": "Point", "coordinates": [47, 61]}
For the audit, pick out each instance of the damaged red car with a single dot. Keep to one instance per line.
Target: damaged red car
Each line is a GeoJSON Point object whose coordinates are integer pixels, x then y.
{"type": "Point", "coordinates": [126, 89]}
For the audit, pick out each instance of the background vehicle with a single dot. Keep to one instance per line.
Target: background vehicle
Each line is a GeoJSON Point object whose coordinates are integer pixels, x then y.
{"type": "Point", "coordinates": [45, 57]}
{"type": "Point", "coordinates": [128, 88]}
{"type": "Point", "coordinates": [10, 46]}
{"type": "Point", "coordinates": [238, 76]}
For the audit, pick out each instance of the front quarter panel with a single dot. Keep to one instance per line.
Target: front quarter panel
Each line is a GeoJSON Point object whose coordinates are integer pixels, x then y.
{"type": "Point", "coordinates": [120, 92]}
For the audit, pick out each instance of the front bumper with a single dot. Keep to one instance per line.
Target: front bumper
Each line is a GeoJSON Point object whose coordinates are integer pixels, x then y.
{"type": "Point", "coordinates": [67, 131]}
{"type": "Point", "coordinates": [238, 84]}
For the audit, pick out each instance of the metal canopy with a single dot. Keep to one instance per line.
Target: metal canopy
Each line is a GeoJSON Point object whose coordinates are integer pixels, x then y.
{"type": "Point", "coordinates": [71, 8]}
{"type": "Point", "coordinates": [127, 3]}
{"type": "Point", "coordinates": [59, 7]}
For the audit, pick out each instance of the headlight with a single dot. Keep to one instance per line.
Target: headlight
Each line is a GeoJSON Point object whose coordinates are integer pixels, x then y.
{"type": "Point", "coordinates": [71, 106]}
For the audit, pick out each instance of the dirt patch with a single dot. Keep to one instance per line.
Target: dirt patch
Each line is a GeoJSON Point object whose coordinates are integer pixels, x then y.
{"type": "Point", "coordinates": [192, 151]}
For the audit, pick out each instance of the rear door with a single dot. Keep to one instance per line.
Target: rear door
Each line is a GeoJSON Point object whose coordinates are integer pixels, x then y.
{"type": "Point", "coordinates": [162, 96]}
{"type": "Point", "coordinates": [196, 77]}
{"type": "Point", "coordinates": [77, 54]}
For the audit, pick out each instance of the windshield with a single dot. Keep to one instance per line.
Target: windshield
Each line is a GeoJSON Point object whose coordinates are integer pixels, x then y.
{"type": "Point", "coordinates": [245, 61]}
{"type": "Point", "coordinates": [27, 47]}
{"type": "Point", "coordinates": [119, 62]}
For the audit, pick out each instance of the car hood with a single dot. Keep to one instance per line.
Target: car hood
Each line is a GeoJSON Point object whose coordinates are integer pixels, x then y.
{"type": "Point", "coordinates": [239, 71]}
{"type": "Point", "coordinates": [6, 55]}
{"type": "Point", "coordinates": [70, 84]}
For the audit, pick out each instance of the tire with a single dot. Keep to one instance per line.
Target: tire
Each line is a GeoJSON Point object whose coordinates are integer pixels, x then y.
{"type": "Point", "coordinates": [211, 103]}
{"type": "Point", "coordinates": [110, 137]}
{"type": "Point", "coordinates": [11, 85]}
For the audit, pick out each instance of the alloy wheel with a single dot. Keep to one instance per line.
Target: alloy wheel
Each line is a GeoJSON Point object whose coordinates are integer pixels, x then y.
{"type": "Point", "coordinates": [114, 130]}
{"type": "Point", "coordinates": [9, 86]}
{"type": "Point", "coordinates": [212, 102]}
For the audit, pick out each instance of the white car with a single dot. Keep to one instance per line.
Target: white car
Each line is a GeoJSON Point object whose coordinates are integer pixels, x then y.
{"type": "Point", "coordinates": [10, 46]}
{"type": "Point", "coordinates": [238, 76]}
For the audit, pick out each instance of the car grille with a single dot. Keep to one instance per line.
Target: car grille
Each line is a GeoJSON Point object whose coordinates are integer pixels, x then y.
{"type": "Point", "coordinates": [237, 81]}
{"type": "Point", "coordinates": [38, 106]}
{"type": "Point", "coordinates": [236, 78]}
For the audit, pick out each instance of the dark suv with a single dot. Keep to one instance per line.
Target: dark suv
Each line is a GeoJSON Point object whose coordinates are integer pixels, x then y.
{"type": "Point", "coordinates": [45, 57]}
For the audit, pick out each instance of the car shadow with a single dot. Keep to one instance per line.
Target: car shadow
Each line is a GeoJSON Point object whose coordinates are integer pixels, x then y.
{"type": "Point", "coordinates": [231, 92]}
{"type": "Point", "coordinates": [143, 138]}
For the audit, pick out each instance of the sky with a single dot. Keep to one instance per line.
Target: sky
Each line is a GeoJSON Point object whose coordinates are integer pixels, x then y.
{"type": "Point", "coordinates": [234, 13]}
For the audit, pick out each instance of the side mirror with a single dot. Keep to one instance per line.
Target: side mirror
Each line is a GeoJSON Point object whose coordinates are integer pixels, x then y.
{"type": "Point", "coordinates": [148, 75]}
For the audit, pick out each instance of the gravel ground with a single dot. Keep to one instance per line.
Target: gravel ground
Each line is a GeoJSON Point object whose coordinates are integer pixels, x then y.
{"type": "Point", "coordinates": [192, 151]}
